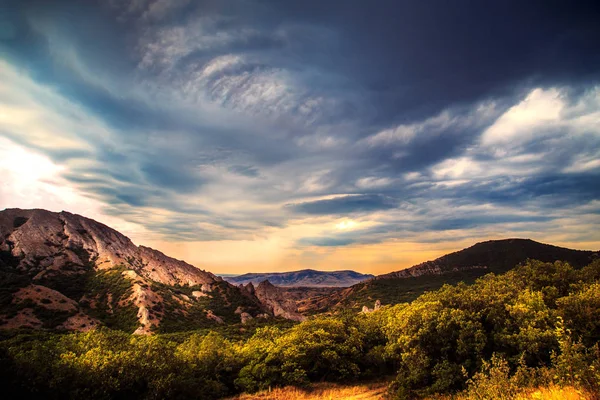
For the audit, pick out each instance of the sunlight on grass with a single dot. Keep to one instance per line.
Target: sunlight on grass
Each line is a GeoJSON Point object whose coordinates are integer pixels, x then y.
{"type": "Point", "coordinates": [556, 393]}
{"type": "Point", "coordinates": [322, 391]}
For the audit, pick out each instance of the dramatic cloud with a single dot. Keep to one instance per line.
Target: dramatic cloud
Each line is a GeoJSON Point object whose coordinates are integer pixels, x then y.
{"type": "Point", "coordinates": [304, 133]}
{"type": "Point", "coordinates": [346, 205]}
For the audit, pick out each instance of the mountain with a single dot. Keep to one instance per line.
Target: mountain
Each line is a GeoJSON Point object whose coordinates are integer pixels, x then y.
{"type": "Point", "coordinates": [65, 271]}
{"type": "Point", "coordinates": [494, 256]}
{"type": "Point", "coordinates": [462, 266]}
{"type": "Point", "coordinates": [302, 278]}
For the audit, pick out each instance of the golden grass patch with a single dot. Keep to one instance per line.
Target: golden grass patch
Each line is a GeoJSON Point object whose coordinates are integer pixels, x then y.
{"type": "Point", "coordinates": [322, 391]}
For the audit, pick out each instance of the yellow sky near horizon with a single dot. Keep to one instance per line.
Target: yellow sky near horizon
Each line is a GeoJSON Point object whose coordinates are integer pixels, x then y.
{"type": "Point", "coordinates": [239, 257]}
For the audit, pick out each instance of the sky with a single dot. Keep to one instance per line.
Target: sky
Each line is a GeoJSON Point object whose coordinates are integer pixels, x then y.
{"type": "Point", "coordinates": [259, 135]}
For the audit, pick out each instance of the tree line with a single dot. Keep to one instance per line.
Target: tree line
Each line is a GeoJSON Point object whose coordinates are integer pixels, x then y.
{"type": "Point", "coordinates": [535, 325]}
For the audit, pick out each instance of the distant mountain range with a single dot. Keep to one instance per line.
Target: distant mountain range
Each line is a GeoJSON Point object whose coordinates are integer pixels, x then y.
{"type": "Point", "coordinates": [302, 278]}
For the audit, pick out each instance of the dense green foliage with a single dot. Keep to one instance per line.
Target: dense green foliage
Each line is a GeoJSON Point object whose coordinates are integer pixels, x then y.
{"type": "Point", "coordinates": [109, 291]}
{"type": "Point", "coordinates": [445, 335]}
{"type": "Point", "coordinates": [537, 324]}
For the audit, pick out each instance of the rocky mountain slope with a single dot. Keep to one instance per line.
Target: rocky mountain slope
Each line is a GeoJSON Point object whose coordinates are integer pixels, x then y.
{"type": "Point", "coordinates": [61, 270]}
{"type": "Point", "coordinates": [302, 278]}
{"type": "Point", "coordinates": [462, 266]}
{"type": "Point", "coordinates": [276, 300]}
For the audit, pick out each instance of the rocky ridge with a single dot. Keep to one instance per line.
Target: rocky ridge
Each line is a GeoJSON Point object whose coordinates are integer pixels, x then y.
{"type": "Point", "coordinates": [62, 270]}
{"type": "Point", "coordinates": [276, 300]}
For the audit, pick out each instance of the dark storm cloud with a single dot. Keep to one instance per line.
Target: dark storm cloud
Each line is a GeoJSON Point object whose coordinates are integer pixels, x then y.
{"type": "Point", "coordinates": [346, 205]}
{"type": "Point", "coordinates": [483, 220]}
{"type": "Point", "coordinates": [169, 176]}
{"type": "Point", "coordinates": [415, 57]}
{"type": "Point", "coordinates": [270, 102]}
{"type": "Point", "coordinates": [325, 242]}
{"type": "Point", "coordinates": [246, 170]}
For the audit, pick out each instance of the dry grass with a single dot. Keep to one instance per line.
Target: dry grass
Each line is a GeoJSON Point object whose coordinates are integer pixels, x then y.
{"type": "Point", "coordinates": [378, 390]}
{"type": "Point", "coordinates": [556, 393]}
{"type": "Point", "coordinates": [546, 393]}
{"type": "Point", "coordinates": [322, 391]}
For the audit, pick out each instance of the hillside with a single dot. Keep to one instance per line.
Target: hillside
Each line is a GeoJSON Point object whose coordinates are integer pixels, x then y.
{"type": "Point", "coordinates": [494, 256]}
{"type": "Point", "coordinates": [466, 265]}
{"type": "Point", "coordinates": [65, 271]}
{"type": "Point", "coordinates": [302, 278]}
{"type": "Point", "coordinates": [530, 332]}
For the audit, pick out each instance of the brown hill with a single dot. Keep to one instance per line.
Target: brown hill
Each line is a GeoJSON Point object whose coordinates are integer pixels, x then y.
{"type": "Point", "coordinates": [494, 256]}
{"type": "Point", "coordinates": [462, 266]}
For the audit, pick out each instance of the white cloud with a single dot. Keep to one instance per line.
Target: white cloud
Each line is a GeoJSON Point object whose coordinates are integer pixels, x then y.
{"type": "Point", "coordinates": [405, 134]}
{"type": "Point", "coordinates": [541, 108]}
{"type": "Point", "coordinates": [584, 163]}
{"type": "Point", "coordinates": [456, 168]}
{"type": "Point", "coordinates": [243, 81]}
{"type": "Point", "coordinates": [33, 114]}
{"type": "Point", "coordinates": [320, 141]}
{"type": "Point", "coordinates": [373, 182]}
{"type": "Point", "coordinates": [511, 145]}
{"type": "Point", "coordinates": [544, 114]}
{"type": "Point", "coordinates": [221, 63]}
{"type": "Point", "coordinates": [32, 180]}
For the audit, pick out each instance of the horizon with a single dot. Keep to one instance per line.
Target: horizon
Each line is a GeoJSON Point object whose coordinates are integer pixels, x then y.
{"type": "Point", "coordinates": [266, 137]}
{"type": "Point", "coordinates": [250, 272]}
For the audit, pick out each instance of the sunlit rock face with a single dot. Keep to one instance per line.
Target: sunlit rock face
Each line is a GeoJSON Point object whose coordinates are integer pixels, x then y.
{"type": "Point", "coordinates": [68, 268]}
{"type": "Point", "coordinates": [277, 302]}
{"type": "Point", "coordinates": [51, 241]}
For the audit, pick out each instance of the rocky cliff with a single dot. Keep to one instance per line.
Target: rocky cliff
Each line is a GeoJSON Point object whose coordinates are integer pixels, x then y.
{"type": "Point", "coordinates": [49, 241]}
{"type": "Point", "coordinates": [61, 270]}
{"type": "Point", "coordinates": [277, 301]}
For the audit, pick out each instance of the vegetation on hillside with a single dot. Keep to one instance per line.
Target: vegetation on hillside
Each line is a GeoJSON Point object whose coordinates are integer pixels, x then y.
{"type": "Point", "coordinates": [107, 299]}
{"type": "Point", "coordinates": [536, 325]}
{"type": "Point", "coordinates": [403, 290]}
{"type": "Point", "coordinates": [106, 296]}
{"type": "Point", "coordinates": [497, 256]}
{"type": "Point", "coordinates": [222, 301]}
